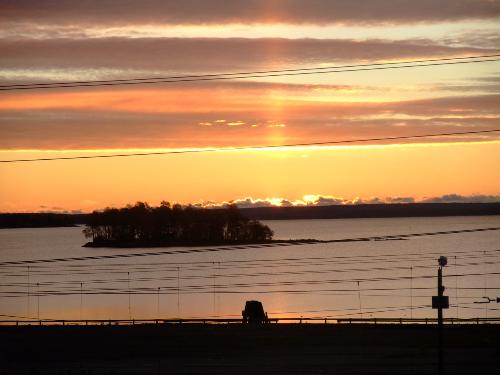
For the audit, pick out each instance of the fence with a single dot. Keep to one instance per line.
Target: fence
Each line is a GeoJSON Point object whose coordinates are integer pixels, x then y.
{"type": "Point", "coordinates": [290, 320]}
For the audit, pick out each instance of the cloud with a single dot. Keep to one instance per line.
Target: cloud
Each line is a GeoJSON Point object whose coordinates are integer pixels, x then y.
{"type": "Point", "coordinates": [329, 200]}
{"type": "Point", "coordinates": [457, 198]}
{"type": "Point", "coordinates": [485, 39]}
{"type": "Point", "coordinates": [56, 210]}
{"type": "Point", "coordinates": [120, 57]}
{"type": "Point", "coordinates": [249, 202]}
{"type": "Point", "coordinates": [157, 118]}
{"type": "Point", "coordinates": [109, 12]}
{"type": "Point", "coordinates": [400, 200]}
{"type": "Point", "coordinates": [322, 200]}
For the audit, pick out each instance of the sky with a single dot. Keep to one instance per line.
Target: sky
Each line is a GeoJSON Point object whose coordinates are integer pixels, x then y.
{"type": "Point", "coordinates": [65, 41]}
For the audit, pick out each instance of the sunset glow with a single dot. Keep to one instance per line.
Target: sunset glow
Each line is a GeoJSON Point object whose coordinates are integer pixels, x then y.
{"type": "Point", "coordinates": [64, 44]}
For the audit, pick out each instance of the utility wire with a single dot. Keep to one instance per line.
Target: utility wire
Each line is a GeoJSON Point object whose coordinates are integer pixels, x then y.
{"type": "Point", "coordinates": [345, 141]}
{"type": "Point", "coordinates": [258, 261]}
{"type": "Point", "coordinates": [260, 267]}
{"type": "Point", "coordinates": [208, 286]}
{"type": "Point", "coordinates": [226, 248]}
{"type": "Point", "coordinates": [154, 291]}
{"type": "Point", "coordinates": [242, 263]}
{"type": "Point", "coordinates": [314, 271]}
{"type": "Point", "coordinates": [258, 74]}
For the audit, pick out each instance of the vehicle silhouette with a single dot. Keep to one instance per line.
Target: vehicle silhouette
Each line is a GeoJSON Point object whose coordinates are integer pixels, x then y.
{"type": "Point", "coordinates": [254, 313]}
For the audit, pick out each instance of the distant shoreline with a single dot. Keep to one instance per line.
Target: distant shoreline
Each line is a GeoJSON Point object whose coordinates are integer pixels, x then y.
{"type": "Point", "coordinates": [396, 237]}
{"type": "Point", "coordinates": [138, 244]}
{"type": "Point", "coordinates": [361, 211]}
{"type": "Point", "coordinates": [368, 211]}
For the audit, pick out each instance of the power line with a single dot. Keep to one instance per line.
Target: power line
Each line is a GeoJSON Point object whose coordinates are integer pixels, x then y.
{"type": "Point", "coordinates": [234, 275]}
{"type": "Point", "coordinates": [154, 291]}
{"type": "Point", "coordinates": [259, 262]}
{"type": "Point", "coordinates": [300, 262]}
{"type": "Point", "coordinates": [258, 74]}
{"type": "Point", "coordinates": [226, 248]}
{"type": "Point", "coordinates": [208, 287]}
{"type": "Point", "coordinates": [243, 263]}
{"type": "Point", "coordinates": [253, 147]}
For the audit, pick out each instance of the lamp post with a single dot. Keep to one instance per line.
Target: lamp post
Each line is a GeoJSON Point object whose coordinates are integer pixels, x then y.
{"type": "Point", "coordinates": [440, 302]}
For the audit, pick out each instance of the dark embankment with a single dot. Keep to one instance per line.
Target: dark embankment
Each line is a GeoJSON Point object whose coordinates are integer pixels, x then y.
{"type": "Point", "coordinates": [372, 211]}
{"type": "Point", "coordinates": [31, 220]}
{"type": "Point", "coordinates": [39, 220]}
{"type": "Point", "coordinates": [244, 349]}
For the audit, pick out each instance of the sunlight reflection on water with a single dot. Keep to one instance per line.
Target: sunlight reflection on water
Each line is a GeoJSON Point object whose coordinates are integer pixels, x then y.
{"type": "Point", "coordinates": [396, 278]}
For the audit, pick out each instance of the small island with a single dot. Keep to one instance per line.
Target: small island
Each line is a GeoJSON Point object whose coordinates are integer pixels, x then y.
{"type": "Point", "coordinates": [141, 225]}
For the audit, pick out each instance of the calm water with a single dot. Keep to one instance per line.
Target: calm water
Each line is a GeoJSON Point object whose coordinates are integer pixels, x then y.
{"type": "Point", "coordinates": [373, 278]}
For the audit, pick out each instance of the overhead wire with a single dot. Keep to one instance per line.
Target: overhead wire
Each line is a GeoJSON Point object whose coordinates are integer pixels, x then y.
{"type": "Point", "coordinates": [154, 292]}
{"type": "Point", "coordinates": [258, 147]}
{"type": "Point", "coordinates": [258, 74]}
{"type": "Point", "coordinates": [229, 248]}
{"type": "Point", "coordinates": [226, 275]}
{"type": "Point", "coordinates": [50, 268]}
{"type": "Point", "coordinates": [234, 264]}
{"type": "Point", "coordinates": [239, 286]}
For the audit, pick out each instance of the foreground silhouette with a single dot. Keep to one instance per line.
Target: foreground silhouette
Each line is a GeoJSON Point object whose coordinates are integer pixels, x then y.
{"type": "Point", "coordinates": [248, 349]}
{"type": "Point", "coordinates": [254, 313]}
{"type": "Point", "coordinates": [166, 225]}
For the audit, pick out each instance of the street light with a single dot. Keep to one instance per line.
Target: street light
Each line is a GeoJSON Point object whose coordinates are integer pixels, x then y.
{"type": "Point", "coordinates": [440, 302]}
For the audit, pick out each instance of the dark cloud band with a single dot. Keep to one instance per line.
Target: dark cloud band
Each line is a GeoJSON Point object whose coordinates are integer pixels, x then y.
{"type": "Point", "coordinates": [112, 12]}
{"type": "Point", "coordinates": [211, 54]}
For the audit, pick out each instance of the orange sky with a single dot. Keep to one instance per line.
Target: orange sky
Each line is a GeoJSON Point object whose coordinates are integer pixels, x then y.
{"type": "Point", "coordinates": [418, 171]}
{"type": "Point", "coordinates": [63, 43]}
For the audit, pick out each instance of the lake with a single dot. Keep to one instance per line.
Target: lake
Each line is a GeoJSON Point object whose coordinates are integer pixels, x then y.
{"type": "Point", "coordinates": [393, 278]}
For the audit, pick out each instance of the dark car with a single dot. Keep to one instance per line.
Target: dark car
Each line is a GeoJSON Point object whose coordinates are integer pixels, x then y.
{"type": "Point", "coordinates": [254, 313]}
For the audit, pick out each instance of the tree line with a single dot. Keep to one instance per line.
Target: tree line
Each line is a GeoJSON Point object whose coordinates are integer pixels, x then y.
{"type": "Point", "coordinates": [173, 224]}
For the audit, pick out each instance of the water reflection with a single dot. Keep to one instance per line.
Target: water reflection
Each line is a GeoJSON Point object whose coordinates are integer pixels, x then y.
{"type": "Point", "coordinates": [372, 278]}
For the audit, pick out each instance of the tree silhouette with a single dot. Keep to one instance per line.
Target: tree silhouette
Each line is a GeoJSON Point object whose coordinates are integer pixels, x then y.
{"type": "Point", "coordinates": [172, 225]}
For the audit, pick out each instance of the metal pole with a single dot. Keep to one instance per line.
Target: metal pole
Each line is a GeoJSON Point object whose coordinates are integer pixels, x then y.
{"type": "Point", "coordinates": [213, 269]}
{"type": "Point", "coordinates": [158, 304]}
{"type": "Point", "coordinates": [128, 284]}
{"type": "Point", "coordinates": [218, 295]}
{"type": "Point", "coordinates": [440, 294]}
{"type": "Point", "coordinates": [359, 298]}
{"type": "Point", "coordinates": [411, 292]}
{"type": "Point", "coordinates": [81, 300]}
{"type": "Point", "coordinates": [456, 284]}
{"type": "Point", "coordinates": [440, 322]}
{"type": "Point", "coordinates": [28, 313]}
{"type": "Point", "coordinates": [485, 285]}
{"type": "Point", "coordinates": [38, 300]}
{"type": "Point", "coordinates": [178, 292]}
